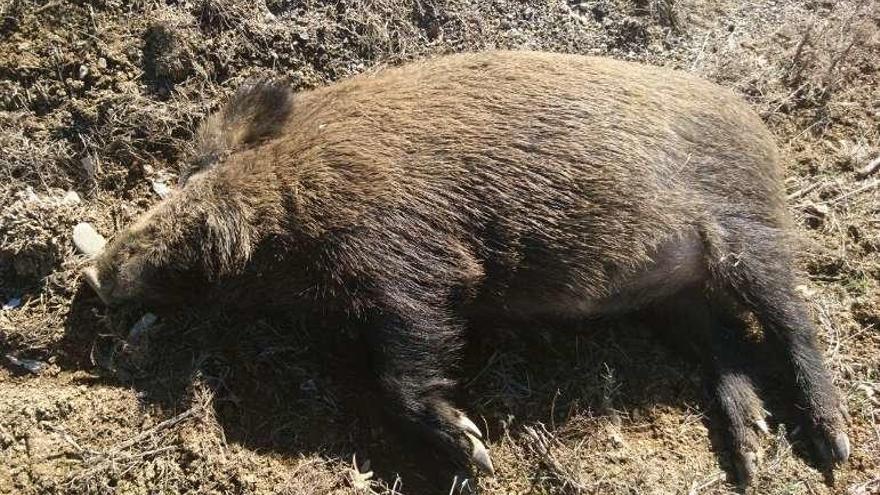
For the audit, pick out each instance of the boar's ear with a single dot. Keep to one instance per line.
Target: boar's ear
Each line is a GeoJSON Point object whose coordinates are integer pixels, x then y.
{"type": "Point", "coordinates": [229, 241]}
{"type": "Point", "coordinates": [256, 112]}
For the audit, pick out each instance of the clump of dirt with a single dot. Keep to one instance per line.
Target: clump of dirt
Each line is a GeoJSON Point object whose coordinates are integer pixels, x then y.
{"type": "Point", "coordinates": [36, 232]}
{"type": "Point", "coordinates": [169, 53]}
{"type": "Point", "coordinates": [103, 97]}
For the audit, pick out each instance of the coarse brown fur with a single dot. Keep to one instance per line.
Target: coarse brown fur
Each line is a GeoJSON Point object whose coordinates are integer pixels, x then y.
{"type": "Point", "coordinates": [412, 198]}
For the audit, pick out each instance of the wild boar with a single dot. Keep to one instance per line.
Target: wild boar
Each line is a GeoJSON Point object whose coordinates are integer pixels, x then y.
{"type": "Point", "coordinates": [412, 199]}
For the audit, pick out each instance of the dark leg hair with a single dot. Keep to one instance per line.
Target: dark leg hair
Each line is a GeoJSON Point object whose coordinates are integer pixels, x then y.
{"type": "Point", "coordinates": [753, 263]}
{"type": "Point", "coordinates": [412, 361]}
{"type": "Point", "coordinates": [704, 325]}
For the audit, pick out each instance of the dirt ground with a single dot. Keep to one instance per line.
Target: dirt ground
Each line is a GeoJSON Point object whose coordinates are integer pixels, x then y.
{"type": "Point", "coordinates": [101, 97]}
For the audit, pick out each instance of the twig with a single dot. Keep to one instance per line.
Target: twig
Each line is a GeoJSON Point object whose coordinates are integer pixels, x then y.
{"type": "Point", "coordinates": [542, 443]}
{"type": "Point", "coordinates": [869, 168]}
{"type": "Point", "coordinates": [870, 185]}
{"type": "Point", "coordinates": [100, 461]}
{"type": "Point", "coordinates": [489, 363]}
{"type": "Point", "coordinates": [789, 97]}
{"type": "Point", "coordinates": [133, 456]}
{"type": "Point", "coordinates": [808, 129]}
{"type": "Point", "coordinates": [47, 6]}
{"type": "Point", "coordinates": [147, 453]}
{"type": "Point", "coordinates": [866, 187]}
{"type": "Point", "coordinates": [713, 479]}
{"type": "Point", "coordinates": [699, 56]}
{"type": "Point", "coordinates": [798, 51]}
{"type": "Point", "coordinates": [803, 192]}
{"type": "Point", "coordinates": [161, 426]}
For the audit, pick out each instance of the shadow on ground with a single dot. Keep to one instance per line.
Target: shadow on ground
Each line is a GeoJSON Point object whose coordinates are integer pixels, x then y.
{"type": "Point", "coordinates": [291, 386]}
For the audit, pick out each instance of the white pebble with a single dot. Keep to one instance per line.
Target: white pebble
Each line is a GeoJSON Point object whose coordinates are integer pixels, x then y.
{"type": "Point", "coordinates": [12, 303]}
{"type": "Point", "coordinates": [32, 365]}
{"type": "Point", "coordinates": [87, 240]}
{"type": "Point", "coordinates": [161, 189]}
{"type": "Point", "coordinates": [71, 198]}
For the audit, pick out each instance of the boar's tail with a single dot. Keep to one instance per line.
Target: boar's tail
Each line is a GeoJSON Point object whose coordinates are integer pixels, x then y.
{"type": "Point", "coordinates": [256, 112]}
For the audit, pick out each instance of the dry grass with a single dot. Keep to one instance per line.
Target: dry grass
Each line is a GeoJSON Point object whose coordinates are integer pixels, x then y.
{"type": "Point", "coordinates": [101, 97]}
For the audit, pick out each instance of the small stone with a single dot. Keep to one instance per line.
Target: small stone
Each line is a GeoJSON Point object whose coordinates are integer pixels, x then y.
{"type": "Point", "coordinates": [90, 165]}
{"type": "Point", "coordinates": [102, 63]}
{"type": "Point", "coordinates": [805, 291]}
{"type": "Point", "coordinates": [70, 198]}
{"type": "Point", "coordinates": [617, 439]}
{"type": "Point", "coordinates": [818, 210]}
{"type": "Point", "coordinates": [83, 71]}
{"type": "Point", "coordinates": [87, 240]}
{"type": "Point", "coordinates": [32, 365]}
{"type": "Point", "coordinates": [161, 189]}
{"type": "Point", "coordinates": [816, 214]}
{"type": "Point", "coordinates": [12, 303]}
{"type": "Point", "coordinates": [433, 30]}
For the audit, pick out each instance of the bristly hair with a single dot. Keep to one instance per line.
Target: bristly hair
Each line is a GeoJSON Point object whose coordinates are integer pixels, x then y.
{"type": "Point", "coordinates": [257, 111]}
{"type": "Point", "coordinates": [229, 241]}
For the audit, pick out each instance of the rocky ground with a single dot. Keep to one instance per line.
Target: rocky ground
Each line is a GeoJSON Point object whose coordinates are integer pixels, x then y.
{"type": "Point", "coordinates": [98, 102]}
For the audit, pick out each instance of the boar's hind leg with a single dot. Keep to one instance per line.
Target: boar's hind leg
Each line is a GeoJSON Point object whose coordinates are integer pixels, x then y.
{"type": "Point", "coordinates": [755, 264]}
{"type": "Point", "coordinates": [710, 330]}
{"type": "Point", "coordinates": [412, 361]}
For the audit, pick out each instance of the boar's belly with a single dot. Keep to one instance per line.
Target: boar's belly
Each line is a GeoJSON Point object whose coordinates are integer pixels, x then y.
{"type": "Point", "coordinates": [677, 264]}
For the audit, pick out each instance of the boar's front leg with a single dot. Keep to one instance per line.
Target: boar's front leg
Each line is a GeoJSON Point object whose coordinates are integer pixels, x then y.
{"type": "Point", "coordinates": [412, 359]}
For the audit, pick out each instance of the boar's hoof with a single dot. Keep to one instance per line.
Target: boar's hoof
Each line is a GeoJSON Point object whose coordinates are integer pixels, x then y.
{"type": "Point", "coordinates": [841, 447]}
{"type": "Point", "coordinates": [480, 455]}
{"type": "Point", "coordinates": [761, 424]}
{"type": "Point", "coordinates": [832, 446]}
{"type": "Point", "coordinates": [456, 435]}
{"type": "Point", "coordinates": [90, 274]}
{"type": "Point", "coordinates": [747, 466]}
{"type": "Point", "coordinates": [469, 426]}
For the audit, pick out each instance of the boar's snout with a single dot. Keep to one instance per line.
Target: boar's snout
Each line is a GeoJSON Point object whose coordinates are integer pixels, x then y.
{"type": "Point", "coordinates": [90, 273]}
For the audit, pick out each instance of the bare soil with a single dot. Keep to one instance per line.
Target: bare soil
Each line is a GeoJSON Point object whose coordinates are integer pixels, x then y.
{"type": "Point", "coordinates": [101, 97]}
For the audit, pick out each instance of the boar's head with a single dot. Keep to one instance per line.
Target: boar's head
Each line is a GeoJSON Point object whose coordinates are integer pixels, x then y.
{"type": "Point", "coordinates": [210, 227]}
{"type": "Point", "coordinates": [147, 265]}
{"type": "Point", "coordinates": [177, 251]}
